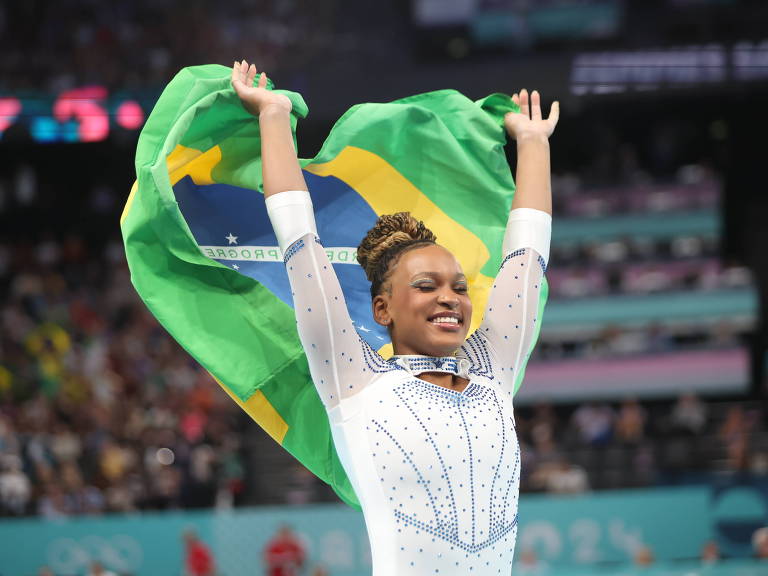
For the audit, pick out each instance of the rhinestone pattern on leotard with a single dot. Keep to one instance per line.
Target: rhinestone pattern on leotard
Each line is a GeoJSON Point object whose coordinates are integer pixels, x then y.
{"type": "Point", "coordinates": [449, 465]}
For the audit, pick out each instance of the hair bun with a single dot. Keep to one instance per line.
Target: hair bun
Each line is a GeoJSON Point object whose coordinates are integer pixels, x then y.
{"type": "Point", "coordinates": [389, 231]}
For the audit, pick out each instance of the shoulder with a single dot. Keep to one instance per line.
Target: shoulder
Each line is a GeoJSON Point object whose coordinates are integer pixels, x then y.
{"type": "Point", "coordinates": [476, 351]}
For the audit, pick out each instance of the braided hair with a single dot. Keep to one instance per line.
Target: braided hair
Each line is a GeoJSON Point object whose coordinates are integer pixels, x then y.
{"type": "Point", "coordinates": [392, 236]}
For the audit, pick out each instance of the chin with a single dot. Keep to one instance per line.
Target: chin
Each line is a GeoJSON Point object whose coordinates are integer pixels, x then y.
{"type": "Point", "coordinates": [444, 346]}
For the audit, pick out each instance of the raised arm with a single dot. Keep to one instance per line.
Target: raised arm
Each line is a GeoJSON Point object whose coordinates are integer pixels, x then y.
{"type": "Point", "coordinates": [532, 132]}
{"type": "Point", "coordinates": [340, 362]}
{"type": "Point", "coordinates": [501, 345]}
{"type": "Point", "coordinates": [280, 167]}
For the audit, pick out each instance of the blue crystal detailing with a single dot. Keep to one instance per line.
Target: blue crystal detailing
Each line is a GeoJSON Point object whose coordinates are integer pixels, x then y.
{"type": "Point", "coordinates": [410, 461]}
{"type": "Point", "coordinates": [516, 253]}
{"type": "Point", "coordinates": [419, 364]}
{"type": "Point", "coordinates": [501, 456]}
{"type": "Point", "coordinates": [471, 472]}
{"type": "Point", "coordinates": [512, 255]}
{"type": "Point", "coordinates": [496, 533]}
{"type": "Point", "coordinates": [293, 249]}
{"type": "Point", "coordinates": [473, 409]}
{"type": "Point", "coordinates": [373, 360]}
{"type": "Point", "coordinates": [477, 353]}
{"type": "Point", "coordinates": [516, 472]}
{"type": "Point", "coordinates": [542, 263]}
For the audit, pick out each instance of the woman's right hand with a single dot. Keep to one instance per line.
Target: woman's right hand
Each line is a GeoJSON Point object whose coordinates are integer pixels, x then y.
{"type": "Point", "coordinates": [256, 99]}
{"type": "Point", "coordinates": [529, 122]}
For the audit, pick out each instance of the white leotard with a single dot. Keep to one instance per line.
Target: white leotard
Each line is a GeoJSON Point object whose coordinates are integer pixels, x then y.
{"type": "Point", "coordinates": [437, 471]}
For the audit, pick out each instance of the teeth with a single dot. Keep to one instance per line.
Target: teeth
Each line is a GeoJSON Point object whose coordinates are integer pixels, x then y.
{"type": "Point", "coordinates": [445, 320]}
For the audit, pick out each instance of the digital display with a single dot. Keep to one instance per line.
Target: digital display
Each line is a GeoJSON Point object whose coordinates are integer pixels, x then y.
{"type": "Point", "coordinates": [499, 22]}
{"type": "Point", "coordinates": [85, 114]}
{"type": "Point", "coordinates": [651, 69]}
{"type": "Point", "coordinates": [684, 3]}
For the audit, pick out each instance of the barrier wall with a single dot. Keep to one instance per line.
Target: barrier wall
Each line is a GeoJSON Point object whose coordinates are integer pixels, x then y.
{"type": "Point", "coordinates": [594, 533]}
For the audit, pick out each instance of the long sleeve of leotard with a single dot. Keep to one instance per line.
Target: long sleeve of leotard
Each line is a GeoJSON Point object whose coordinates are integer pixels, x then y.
{"type": "Point", "coordinates": [502, 342]}
{"type": "Point", "coordinates": [340, 362]}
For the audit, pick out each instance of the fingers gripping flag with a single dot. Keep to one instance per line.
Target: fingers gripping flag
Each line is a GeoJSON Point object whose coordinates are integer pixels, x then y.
{"type": "Point", "coordinates": [205, 261]}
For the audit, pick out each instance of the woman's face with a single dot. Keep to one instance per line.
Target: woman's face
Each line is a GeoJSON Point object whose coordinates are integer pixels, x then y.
{"type": "Point", "coordinates": [425, 303]}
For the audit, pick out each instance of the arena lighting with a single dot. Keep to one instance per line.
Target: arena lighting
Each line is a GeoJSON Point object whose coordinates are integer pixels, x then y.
{"type": "Point", "coordinates": [130, 115]}
{"type": "Point", "coordinates": [9, 110]}
{"type": "Point", "coordinates": [83, 114]}
{"type": "Point", "coordinates": [642, 70]}
{"type": "Point", "coordinates": [84, 105]}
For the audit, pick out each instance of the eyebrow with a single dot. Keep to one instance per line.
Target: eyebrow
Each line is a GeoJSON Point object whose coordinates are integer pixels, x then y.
{"type": "Point", "coordinates": [435, 275]}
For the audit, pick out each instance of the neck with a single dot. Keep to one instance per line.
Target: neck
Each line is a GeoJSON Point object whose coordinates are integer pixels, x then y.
{"type": "Point", "coordinates": [408, 351]}
{"type": "Point", "coordinates": [445, 380]}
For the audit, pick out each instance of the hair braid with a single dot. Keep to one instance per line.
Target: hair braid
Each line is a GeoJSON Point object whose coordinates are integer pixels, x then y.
{"type": "Point", "coordinates": [390, 237]}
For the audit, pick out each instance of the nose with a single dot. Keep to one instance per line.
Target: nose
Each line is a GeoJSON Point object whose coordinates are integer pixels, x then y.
{"type": "Point", "coordinates": [448, 299]}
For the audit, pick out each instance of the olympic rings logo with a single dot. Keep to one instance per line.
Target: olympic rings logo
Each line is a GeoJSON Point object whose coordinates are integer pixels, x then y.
{"type": "Point", "coordinates": [121, 553]}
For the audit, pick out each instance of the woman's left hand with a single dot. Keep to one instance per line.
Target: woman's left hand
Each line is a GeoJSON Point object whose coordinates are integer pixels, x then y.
{"type": "Point", "coordinates": [256, 99]}
{"type": "Point", "coordinates": [528, 122]}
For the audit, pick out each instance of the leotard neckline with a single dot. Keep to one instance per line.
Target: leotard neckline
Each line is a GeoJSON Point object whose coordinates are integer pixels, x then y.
{"type": "Point", "coordinates": [417, 364]}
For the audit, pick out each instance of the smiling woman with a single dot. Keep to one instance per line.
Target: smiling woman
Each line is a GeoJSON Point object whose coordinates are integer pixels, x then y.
{"type": "Point", "coordinates": [418, 289]}
{"type": "Point", "coordinates": [427, 437]}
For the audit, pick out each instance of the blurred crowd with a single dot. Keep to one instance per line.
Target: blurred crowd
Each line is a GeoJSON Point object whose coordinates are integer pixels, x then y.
{"type": "Point", "coordinates": [643, 240]}
{"type": "Point", "coordinates": [598, 445]}
{"type": "Point", "coordinates": [100, 410]}
{"type": "Point", "coordinates": [641, 237]}
{"type": "Point", "coordinates": [54, 46]}
{"type": "Point", "coordinates": [613, 341]}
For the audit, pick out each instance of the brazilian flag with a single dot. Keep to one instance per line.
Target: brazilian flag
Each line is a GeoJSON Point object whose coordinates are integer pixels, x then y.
{"type": "Point", "coordinates": [205, 261]}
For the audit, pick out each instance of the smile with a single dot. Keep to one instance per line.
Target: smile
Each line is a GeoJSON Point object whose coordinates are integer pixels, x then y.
{"type": "Point", "coordinates": [446, 319]}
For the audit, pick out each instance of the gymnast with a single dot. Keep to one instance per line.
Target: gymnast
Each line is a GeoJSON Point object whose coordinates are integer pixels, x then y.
{"type": "Point", "coordinates": [427, 437]}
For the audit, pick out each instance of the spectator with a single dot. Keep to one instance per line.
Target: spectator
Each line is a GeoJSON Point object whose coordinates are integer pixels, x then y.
{"type": "Point", "coordinates": [760, 543]}
{"type": "Point", "coordinates": [542, 459]}
{"type": "Point", "coordinates": [15, 488]}
{"type": "Point", "coordinates": [198, 558]}
{"type": "Point", "coordinates": [9, 442]}
{"type": "Point", "coordinates": [97, 569]}
{"type": "Point", "coordinates": [758, 464]}
{"type": "Point", "coordinates": [65, 445]}
{"type": "Point", "coordinates": [301, 487]}
{"type": "Point", "coordinates": [643, 556]}
{"type": "Point", "coordinates": [52, 504]}
{"type": "Point", "coordinates": [630, 424]}
{"type": "Point", "coordinates": [594, 423]}
{"type": "Point", "coordinates": [544, 423]}
{"type": "Point", "coordinates": [232, 485]}
{"type": "Point", "coordinates": [284, 554]}
{"type": "Point", "coordinates": [734, 433]}
{"type": "Point", "coordinates": [710, 553]}
{"type": "Point", "coordinates": [689, 414]}
{"type": "Point", "coordinates": [528, 563]}
{"type": "Point", "coordinates": [644, 469]}
{"type": "Point", "coordinates": [567, 478]}
{"type": "Point", "coordinates": [200, 487]}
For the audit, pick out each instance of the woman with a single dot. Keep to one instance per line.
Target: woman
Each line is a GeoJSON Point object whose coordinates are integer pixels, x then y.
{"type": "Point", "coordinates": [427, 438]}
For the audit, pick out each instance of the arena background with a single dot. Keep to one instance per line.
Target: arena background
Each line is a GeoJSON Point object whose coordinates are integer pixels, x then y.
{"type": "Point", "coordinates": [643, 417]}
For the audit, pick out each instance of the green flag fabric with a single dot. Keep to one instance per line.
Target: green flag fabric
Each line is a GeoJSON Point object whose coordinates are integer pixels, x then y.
{"type": "Point", "coordinates": [204, 259]}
